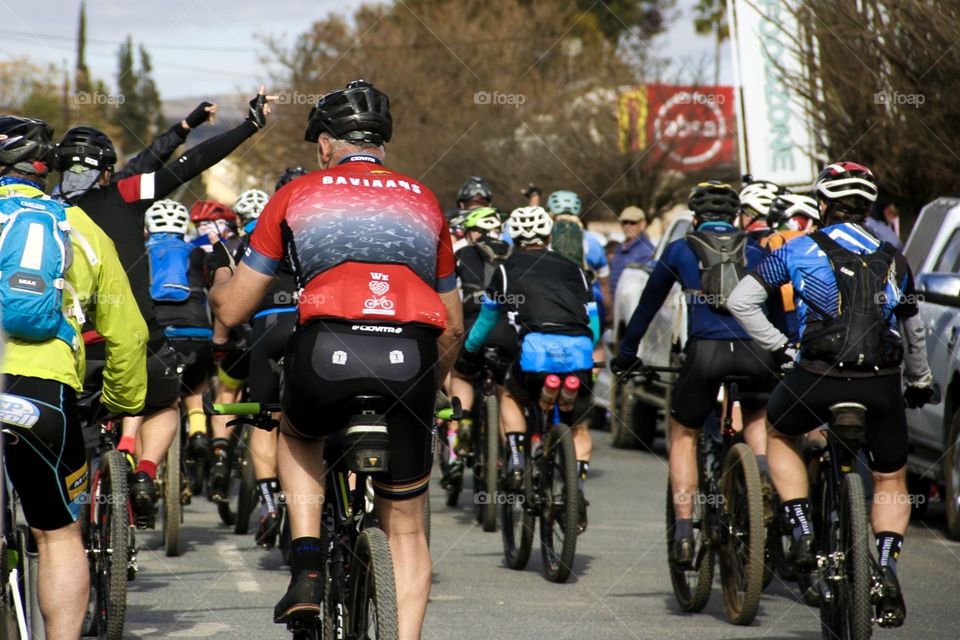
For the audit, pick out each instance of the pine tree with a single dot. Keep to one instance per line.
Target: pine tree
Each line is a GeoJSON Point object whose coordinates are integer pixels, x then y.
{"type": "Point", "coordinates": [138, 115]}
{"type": "Point", "coordinates": [82, 77]}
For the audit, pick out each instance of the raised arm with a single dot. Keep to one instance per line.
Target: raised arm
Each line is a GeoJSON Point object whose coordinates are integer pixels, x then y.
{"type": "Point", "coordinates": [156, 155]}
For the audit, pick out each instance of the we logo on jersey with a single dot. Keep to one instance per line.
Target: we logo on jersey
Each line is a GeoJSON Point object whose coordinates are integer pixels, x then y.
{"type": "Point", "coordinates": [379, 305]}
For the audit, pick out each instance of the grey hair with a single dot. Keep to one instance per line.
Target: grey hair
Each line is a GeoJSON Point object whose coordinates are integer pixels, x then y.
{"type": "Point", "coordinates": [344, 147]}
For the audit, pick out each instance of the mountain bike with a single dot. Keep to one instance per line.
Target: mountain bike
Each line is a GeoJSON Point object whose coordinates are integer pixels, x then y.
{"type": "Point", "coordinates": [360, 594]}
{"type": "Point", "coordinates": [549, 492]}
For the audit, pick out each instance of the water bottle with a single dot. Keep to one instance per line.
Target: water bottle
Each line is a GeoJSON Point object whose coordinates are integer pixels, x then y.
{"type": "Point", "coordinates": [568, 394]}
{"type": "Point", "coordinates": [548, 395]}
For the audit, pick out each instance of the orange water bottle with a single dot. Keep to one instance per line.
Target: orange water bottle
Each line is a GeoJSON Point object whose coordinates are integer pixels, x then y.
{"type": "Point", "coordinates": [568, 394]}
{"type": "Point", "coordinates": [548, 395]}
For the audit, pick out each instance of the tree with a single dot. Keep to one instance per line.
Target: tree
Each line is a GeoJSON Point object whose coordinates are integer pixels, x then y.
{"type": "Point", "coordinates": [138, 101]}
{"type": "Point", "coordinates": [711, 19]}
{"type": "Point", "coordinates": [81, 80]}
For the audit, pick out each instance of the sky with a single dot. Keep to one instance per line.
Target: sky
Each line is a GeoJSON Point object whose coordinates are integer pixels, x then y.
{"type": "Point", "coordinates": [211, 47]}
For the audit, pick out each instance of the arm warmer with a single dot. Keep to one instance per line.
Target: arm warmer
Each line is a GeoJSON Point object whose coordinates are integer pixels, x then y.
{"type": "Point", "coordinates": [200, 158]}
{"type": "Point", "coordinates": [746, 305]}
{"type": "Point", "coordinates": [156, 155]}
{"type": "Point", "coordinates": [489, 312]}
{"type": "Point", "coordinates": [915, 348]}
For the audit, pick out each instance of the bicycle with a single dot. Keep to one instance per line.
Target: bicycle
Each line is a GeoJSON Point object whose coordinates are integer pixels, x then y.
{"type": "Point", "coordinates": [549, 492]}
{"type": "Point", "coordinates": [108, 526]}
{"type": "Point", "coordinates": [360, 598]}
{"type": "Point", "coordinates": [728, 519]}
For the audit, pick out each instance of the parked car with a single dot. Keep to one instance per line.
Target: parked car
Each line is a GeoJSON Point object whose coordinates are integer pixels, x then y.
{"type": "Point", "coordinates": [933, 251]}
{"type": "Point", "coordinates": [637, 410]}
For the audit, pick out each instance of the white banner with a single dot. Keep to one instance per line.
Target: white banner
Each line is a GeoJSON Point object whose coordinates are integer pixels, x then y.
{"type": "Point", "coordinates": [775, 137]}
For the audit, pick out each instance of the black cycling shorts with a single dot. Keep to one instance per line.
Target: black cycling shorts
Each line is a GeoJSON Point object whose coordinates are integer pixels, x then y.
{"type": "Point", "coordinates": [707, 363]}
{"type": "Point", "coordinates": [44, 451]}
{"type": "Point", "coordinates": [327, 363]}
{"type": "Point", "coordinates": [163, 383]}
{"type": "Point", "coordinates": [526, 387]}
{"type": "Point", "coordinates": [197, 359]}
{"type": "Point", "coordinates": [801, 403]}
{"type": "Point", "coordinates": [270, 335]}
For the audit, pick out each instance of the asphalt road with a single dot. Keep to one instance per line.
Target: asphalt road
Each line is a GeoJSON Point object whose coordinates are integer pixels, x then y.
{"type": "Point", "coordinates": [224, 587]}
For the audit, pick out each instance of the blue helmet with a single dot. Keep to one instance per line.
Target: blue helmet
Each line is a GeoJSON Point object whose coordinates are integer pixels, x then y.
{"type": "Point", "coordinates": [563, 202]}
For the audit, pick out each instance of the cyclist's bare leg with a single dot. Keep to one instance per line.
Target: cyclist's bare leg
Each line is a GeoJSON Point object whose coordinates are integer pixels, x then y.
{"type": "Point", "coordinates": [583, 441]}
{"type": "Point", "coordinates": [402, 521]}
{"type": "Point", "coordinates": [263, 448]}
{"type": "Point", "coordinates": [891, 507]}
{"type": "Point", "coordinates": [130, 427]}
{"type": "Point", "coordinates": [462, 388]}
{"type": "Point", "coordinates": [300, 465]}
{"type": "Point", "coordinates": [683, 468]}
{"type": "Point", "coordinates": [787, 470]}
{"type": "Point", "coordinates": [64, 582]}
{"type": "Point", "coordinates": [158, 432]}
{"type": "Point", "coordinates": [511, 414]}
{"type": "Point", "coordinates": [218, 424]}
{"type": "Point", "coordinates": [755, 431]}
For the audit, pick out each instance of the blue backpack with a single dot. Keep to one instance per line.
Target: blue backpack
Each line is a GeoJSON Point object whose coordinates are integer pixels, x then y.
{"type": "Point", "coordinates": [36, 250]}
{"type": "Point", "coordinates": [169, 257]}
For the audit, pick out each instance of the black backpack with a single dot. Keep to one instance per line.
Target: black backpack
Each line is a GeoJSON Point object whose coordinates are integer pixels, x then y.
{"type": "Point", "coordinates": [855, 338]}
{"type": "Point", "coordinates": [494, 253]}
{"type": "Point", "coordinates": [723, 263]}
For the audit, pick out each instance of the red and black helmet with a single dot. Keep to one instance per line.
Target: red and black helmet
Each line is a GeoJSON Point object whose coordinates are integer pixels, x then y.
{"type": "Point", "coordinates": [847, 188]}
{"type": "Point", "coordinates": [204, 210]}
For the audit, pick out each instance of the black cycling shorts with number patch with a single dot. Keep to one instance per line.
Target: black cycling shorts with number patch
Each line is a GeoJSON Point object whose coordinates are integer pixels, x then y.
{"type": "Point", "coordinates": [44, 450]}
{"type": "Point", "coordinates": [328, 363]}
{"type": "Point", "coordinates": [707, 363]}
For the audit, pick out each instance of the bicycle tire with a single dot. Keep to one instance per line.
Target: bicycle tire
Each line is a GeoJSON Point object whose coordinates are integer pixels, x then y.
{"type": "Point", "coordinates": [559, 517]}
{"type": "Point", "coordinates": [451, 490]}
{"type": "Point", "coordinates": [172, 508]}
{"type": "Point", "coordinates": [371, 581]}
{"type": "Point", "coordinates": [247, 492]}
{"type": "Point", "coordinates": [858, 612]}
{"type": "Point", "coordinates": [692, 588]}
{"type": "Point", "coordinates": [621, 432]}
{"type": "Point", "coordinates": [228, 515]}
{"type": "Point", "coordinates": [518, 522]}
{"type": "Point", "coordinates": [112, 516]}
{"type": "Point", "coordinates": [283, 543]}
{"type": "Point", "coordinates": [491, 451]}
{"type": "Point", "coordinates": [741, 563]}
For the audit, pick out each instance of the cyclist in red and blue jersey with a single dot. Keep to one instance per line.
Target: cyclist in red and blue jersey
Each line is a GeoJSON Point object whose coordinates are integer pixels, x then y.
{"type": "Point", "coordinates": [717, 347]}
{"type": "Point", "coordinates": [378, 314]}
{"type": "Point", "coordinates": [823, 375]}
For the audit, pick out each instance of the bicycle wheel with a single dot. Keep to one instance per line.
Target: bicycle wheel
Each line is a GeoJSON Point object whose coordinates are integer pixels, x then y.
{"type": "Point", "coordinates": [560, 515]}
{"type": "Point", "coordinates": [451, 486]}
{"type": "Point", "coordinates": [172, 508]}
{"type": "Point", "coordinates": [8, 616]}
{"type": "Point", "coordinates": [518, 522]}
{"type": "Point", "coordinates": [491, 451]}
{"type": "Point", "coordinates": [742, 549]}
{"type": "Point", "coordinates": [855, 587]}
{"type": "Point", "coordinates": [371, 588]}
{"type": "Point", "coordinates": [110, 521]}
{"type": "Point", "coordinates": [247, 492]}
{"type": "Point", "coordinates": [691, 587]}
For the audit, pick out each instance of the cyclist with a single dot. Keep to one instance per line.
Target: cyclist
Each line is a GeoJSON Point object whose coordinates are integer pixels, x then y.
{"type": "Point", "coordinates": [85, 159]}
{"type": "Point", "coordinates": [716, 347]}
{"type": "Point", "coordinates": [45, 454]}
{"type": "Point", "coordinates": [476, 263]}
{"type": "Point", "coordinates": [272, 324]}
{"type": "Point", "coordinates": [248, 206]}
{"type": "Point", "coordinates": [824, 374]}
{"type": "Point", "coordinates": [290, 173]}
{"type": "Point", "coordinates": [474, 193]}
{"type": "Point", "coordinates": [379, 313]}
{"type": "Point", "coordinates": [558, 325]}
{"type": "Point", "coordinates": [756, 196]}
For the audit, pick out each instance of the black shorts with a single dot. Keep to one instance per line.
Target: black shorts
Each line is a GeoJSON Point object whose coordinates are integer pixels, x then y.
{"type": "Point", "coordinates": [44, 450]}
{"type": "Point", "coordinates": [328, 363]}
{"type": "Point", "coordinates": [163, 383]}
{"type": "Point", "coordinates": [801, 403]}
{"type": "Point", "coordinates": [270, 335]}
{"type": "Point", "coordinates": [707, 363]}
{"type": "Point", "coordinates": [526, 386]}
{"type": "Point", "coordinates": [197, 359]}
{"type": "Point", "coordinates": [234, 368]}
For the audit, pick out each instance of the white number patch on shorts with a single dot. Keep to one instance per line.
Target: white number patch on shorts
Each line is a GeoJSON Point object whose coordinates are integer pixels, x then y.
{"type": "Point", "coordinates": [18, 411]}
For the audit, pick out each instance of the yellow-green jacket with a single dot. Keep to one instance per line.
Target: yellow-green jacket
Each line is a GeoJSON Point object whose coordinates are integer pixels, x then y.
{"type": "Point", "coordinates": [104, 294]}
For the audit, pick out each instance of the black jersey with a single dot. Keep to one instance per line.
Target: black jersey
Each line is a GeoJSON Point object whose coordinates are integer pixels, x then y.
{"type": "Point", "coordinates": [546, 292]}
{"type": "Point", "coordinates": [476, 265]}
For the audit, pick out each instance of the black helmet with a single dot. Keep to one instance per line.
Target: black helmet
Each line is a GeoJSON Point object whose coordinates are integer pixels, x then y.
{"type": "Point", "coordinates": [25, 141]}
{"type": "Point", "coordinates": [87, 146]}
{"type": "Point", "coordinates": [714, 200]}
{"type": "Point", "coordinates": [358, 113]}
{"type": "Point", "coordinates": [288, 175]}
{"type": "Point", "coordinates": [474, 187]}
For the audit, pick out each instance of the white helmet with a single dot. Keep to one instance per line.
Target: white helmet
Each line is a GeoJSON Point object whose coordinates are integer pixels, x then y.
{"type": "Point", "coordinates": [250, 203]}
{"type": "Point", "coordinates": [167, 216]}
{"type": "Point", "coordinates": [756, 198]}
{"type": "Point", "coordinates": [789, 206]}
{"type": "Point", "coordinates": [530, 224]}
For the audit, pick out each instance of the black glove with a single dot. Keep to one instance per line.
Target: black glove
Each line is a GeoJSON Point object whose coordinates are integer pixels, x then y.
{"type": "Point", "coordinates": [256, 113]}
{"type": "Point", "coordinates": [218, 258]}
{"type": "Point", "coordinates": [467, 364]}
{"type": "Point", "coordinates": [920, 392]}
{"type": "Point", "coordinates": [199, 115]}
{"type": "Point", "coordinates": [621, 365]}
{"type": "Point", "coordinates": [785, 357]}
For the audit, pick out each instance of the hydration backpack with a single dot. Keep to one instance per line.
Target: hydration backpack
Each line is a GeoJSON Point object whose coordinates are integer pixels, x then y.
{"type": "Point", "coordinates": [723, 263]}
{"type": "Point", "coordinates": [36, 251]}
{"type": "Point", "coordinates": [566, 238]}
{"type": "Point", "coordinates": [855, 338]}
{"type": "Point", "coordinates": [169, 258]}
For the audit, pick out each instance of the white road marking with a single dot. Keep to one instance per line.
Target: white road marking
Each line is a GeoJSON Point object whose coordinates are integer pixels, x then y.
{"type": "Point", "coordinates": [242, 577]}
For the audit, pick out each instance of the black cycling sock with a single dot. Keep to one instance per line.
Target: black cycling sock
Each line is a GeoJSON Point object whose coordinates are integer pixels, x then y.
{"type": "Point", "coordinates": [797, 513]}
{"type": "Point", "coordinates": [269, 487]}
{"type": "Point", "coordinates": [683, 528]}
{"type": "Point", "coordinates": [518, 445]}
{"type": "Point", "coordinates": [583, 468]}
{"type": "Point", "coordinates": [889, 545]}
{"type": "Point", "coordinates": [306, 554]}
